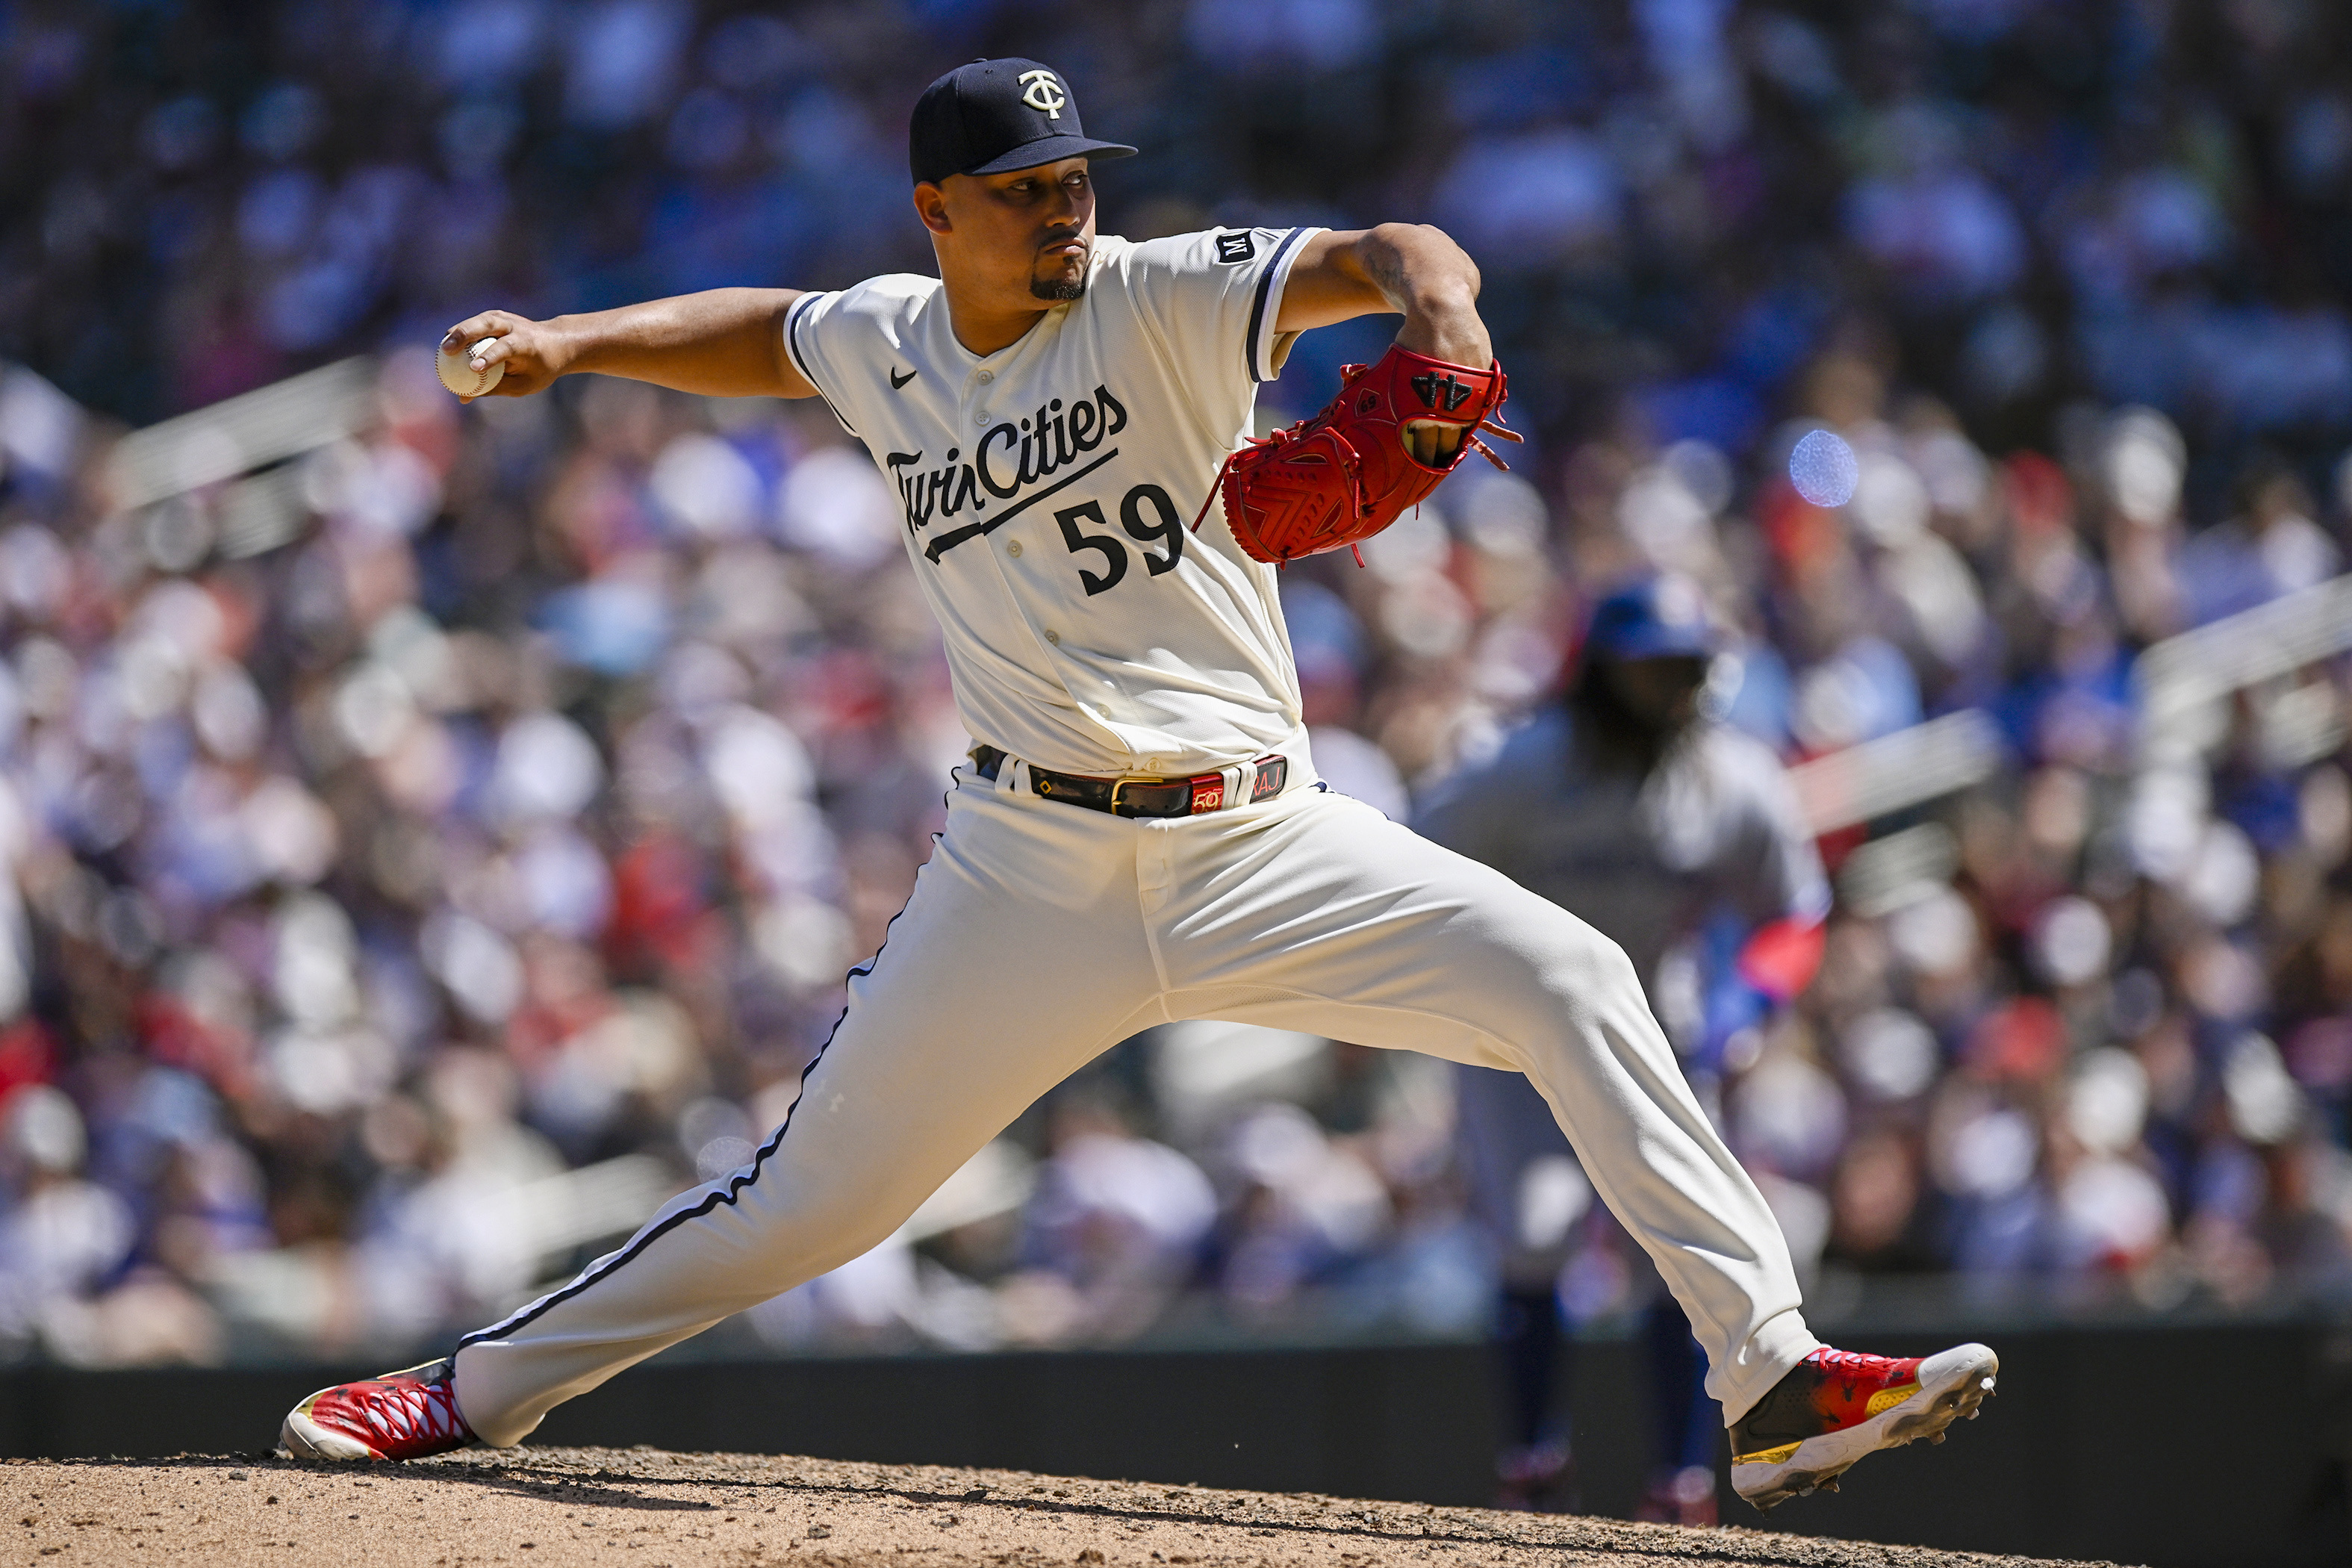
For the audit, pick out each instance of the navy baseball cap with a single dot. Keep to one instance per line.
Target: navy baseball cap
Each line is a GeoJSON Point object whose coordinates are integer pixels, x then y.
{"type": "Point", "coordinates": [1664, 616]}
{"type": "Point", "coordinates": [992, 117]}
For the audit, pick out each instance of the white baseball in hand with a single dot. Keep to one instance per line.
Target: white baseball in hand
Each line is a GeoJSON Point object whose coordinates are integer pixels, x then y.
{"type": "Point", "coordinates": [458, 374]}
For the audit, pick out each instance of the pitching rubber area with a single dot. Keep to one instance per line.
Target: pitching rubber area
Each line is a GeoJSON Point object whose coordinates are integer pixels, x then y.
{"type": "Point", "coordinates": [643, 1508]}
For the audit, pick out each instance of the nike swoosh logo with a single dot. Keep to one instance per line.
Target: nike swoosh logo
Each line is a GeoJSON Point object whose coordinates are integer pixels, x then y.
{"type": "Point", "coordinates": [897, 381]}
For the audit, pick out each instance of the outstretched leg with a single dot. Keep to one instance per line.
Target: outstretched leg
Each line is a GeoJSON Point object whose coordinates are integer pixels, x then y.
{"type": "Point", "coordinates": [1329, 918]}
{"type": "Point", "coordinates": [1323, 916]}
{"type": "Point", "coordinates": [1019, 957]}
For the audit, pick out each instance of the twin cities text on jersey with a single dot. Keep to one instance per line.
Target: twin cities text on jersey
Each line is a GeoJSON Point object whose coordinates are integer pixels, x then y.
{"type": "Point", "coordinates": [1015, 465]}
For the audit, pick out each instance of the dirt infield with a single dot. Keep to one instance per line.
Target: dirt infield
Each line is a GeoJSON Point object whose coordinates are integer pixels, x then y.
{"type": "Point", "coordinates": [644, 1508]}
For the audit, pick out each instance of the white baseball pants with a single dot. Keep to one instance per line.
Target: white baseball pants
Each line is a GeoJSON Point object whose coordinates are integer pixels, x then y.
{"type": "Point", "coordinates": [1040, 934]}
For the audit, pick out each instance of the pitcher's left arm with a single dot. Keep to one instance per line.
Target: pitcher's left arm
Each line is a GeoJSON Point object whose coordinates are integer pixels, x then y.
{"type": "Point", "coordinates": [1407, 268]}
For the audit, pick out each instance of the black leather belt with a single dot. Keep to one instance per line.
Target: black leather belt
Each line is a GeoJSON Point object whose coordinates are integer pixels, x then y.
{"type": "Point", "coordinates": [1247, 784]}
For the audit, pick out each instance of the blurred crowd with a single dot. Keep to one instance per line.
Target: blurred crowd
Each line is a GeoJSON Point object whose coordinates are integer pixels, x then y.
{"type": "Point", "coordinates": [401, 902]}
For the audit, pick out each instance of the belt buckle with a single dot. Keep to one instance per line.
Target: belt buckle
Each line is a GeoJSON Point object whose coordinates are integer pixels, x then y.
{"type": "Point", "coordinates": [1205, 792]}
{"type": "Point", "coordinates": [1119, 785]}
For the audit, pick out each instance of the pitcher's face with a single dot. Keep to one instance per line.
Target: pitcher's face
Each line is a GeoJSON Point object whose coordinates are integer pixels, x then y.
{"type": "Point", "coordinates": [1025, 233]}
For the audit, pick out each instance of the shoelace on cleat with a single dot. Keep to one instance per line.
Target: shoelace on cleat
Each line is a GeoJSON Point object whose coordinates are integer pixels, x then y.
{"type": "Point", "coordinates": [1854, 1364]}
{"type": "Point", "coordinates": [406, 1411]}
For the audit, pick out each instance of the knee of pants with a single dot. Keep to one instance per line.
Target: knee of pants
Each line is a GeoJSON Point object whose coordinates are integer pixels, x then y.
{"type": "Point", "coordinates": [1570, 972]}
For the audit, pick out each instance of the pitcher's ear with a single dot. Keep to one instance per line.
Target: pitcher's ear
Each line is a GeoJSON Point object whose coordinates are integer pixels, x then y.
{"type": "Point", "coordinates": [932, 207]}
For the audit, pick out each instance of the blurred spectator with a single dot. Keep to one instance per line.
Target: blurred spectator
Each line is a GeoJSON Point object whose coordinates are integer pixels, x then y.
{"type": "Point", "coordinates": [1115, 1229]}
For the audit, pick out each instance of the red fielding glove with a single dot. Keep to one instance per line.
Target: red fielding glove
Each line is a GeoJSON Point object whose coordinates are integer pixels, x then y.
{"type": "Point", "coordinates": [1329, 482]}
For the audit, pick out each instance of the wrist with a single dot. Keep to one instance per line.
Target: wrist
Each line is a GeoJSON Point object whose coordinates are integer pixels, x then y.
{"type": "Point", "coordinates": [1450, 332]}
{"type": "Point", "coordinates": [567, 344]}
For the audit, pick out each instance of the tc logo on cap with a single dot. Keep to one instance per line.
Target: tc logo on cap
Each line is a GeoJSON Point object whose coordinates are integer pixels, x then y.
{"type": "Point", "coordinates": [993, 117]}
{"type": "Point", "coordinates": [1043, 93]}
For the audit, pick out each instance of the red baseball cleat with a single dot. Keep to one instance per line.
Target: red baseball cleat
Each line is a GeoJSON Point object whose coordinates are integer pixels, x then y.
{"type": "Point", "coordinates": [1836, 1407]}
{"type": "Point", "coordinates": [402, 1415]}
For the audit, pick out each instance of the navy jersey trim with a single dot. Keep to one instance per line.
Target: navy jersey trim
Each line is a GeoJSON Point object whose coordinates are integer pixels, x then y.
{"type": "Point", "coordinates": [1251, 347]}
{"type": "Point", "coordinates": [717, 1195]}
{"type": "Point", "coordinates": [800, 361]}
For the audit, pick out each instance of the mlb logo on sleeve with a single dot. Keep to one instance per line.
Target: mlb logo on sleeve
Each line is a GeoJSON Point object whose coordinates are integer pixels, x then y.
{"type": "Point", "coordinates": [1236, 247]}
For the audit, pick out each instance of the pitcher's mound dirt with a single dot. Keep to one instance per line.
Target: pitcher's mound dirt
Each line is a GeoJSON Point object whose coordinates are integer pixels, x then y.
{"type": "Point", "coordinates": [542, 1508]}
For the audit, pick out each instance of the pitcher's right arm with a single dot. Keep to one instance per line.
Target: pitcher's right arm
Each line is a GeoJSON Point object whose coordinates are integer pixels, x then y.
{"type": "Point", "coordinates": [725, 343]}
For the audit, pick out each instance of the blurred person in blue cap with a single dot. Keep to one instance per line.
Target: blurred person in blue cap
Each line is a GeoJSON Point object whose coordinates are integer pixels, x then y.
{"type": "Point", "coordinates": [1630, 804]}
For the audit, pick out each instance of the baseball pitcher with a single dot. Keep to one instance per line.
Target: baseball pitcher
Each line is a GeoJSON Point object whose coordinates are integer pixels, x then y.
{"type": "Point", "coordinates": [1140, 837]}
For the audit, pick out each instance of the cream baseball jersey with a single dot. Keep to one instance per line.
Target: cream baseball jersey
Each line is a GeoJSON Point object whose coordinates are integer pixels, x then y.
{"type": "Point", "coordinates": [1046, 491]}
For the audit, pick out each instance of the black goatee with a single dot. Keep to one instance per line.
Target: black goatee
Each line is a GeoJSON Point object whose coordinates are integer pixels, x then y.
{"type": "Point", "coordinates": [1058, 291]}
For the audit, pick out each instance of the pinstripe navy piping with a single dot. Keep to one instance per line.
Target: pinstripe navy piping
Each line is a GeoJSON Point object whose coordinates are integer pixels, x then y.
{"type": "Point", "coordinates": [792, 348]}
{"type": "Point", "coordinates": [1274, 269]}
{"type": "Point", "coordinates": [735, 1185]}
